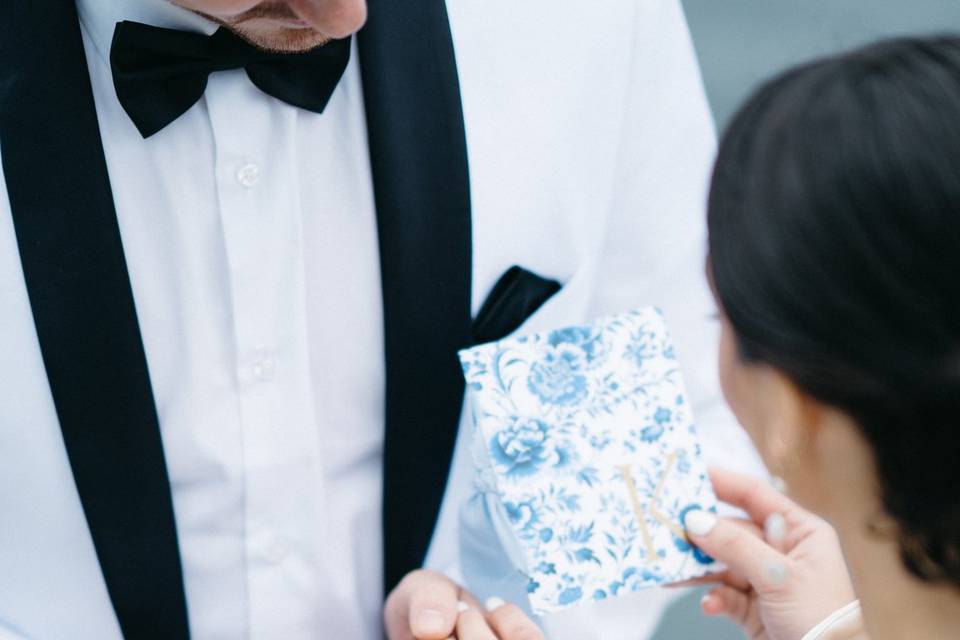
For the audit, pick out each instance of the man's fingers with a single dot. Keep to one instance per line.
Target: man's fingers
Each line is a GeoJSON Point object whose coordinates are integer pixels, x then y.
{"type": "Point", "coordinates": [473, 626]}
{"type": "Point", "coordinates": [395, 612]}
{"type": "Point", "coordinates": [433, 607]}
{"type": "Point", "coordinates": [511, 623]}
{"type": "Point", "coordinates": [422, 607]}
{"type": "Point", "coordinates": [747, 555]}
{"type": "Point", "coordinates": [429, 606]}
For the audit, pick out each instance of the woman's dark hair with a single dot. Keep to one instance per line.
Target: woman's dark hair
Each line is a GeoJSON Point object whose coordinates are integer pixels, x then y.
{"type": "Point", "coordinates": [834, 221]}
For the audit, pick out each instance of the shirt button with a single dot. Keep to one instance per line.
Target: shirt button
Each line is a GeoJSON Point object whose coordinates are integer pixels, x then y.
{"type": "Point", "coordinates": [263, 369]}
{"type": "Point", "coordinates": [248, 175]}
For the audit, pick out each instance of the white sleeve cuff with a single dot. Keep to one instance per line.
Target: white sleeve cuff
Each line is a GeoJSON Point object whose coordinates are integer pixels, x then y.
{"type": "Point", "coordinates": [844, 622]}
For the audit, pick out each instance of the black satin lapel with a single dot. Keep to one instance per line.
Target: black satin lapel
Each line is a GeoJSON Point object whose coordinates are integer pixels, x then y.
{"type": "Point", "coordinates": [84, 312]}
{"type": "Point", "coordinates": [419, 161]}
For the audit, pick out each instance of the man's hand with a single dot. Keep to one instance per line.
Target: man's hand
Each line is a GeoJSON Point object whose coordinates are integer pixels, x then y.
{"type": "Point", "coordinates": [429, 606]}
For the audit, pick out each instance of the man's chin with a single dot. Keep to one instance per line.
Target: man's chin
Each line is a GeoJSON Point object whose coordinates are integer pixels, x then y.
{"type": "Point", "coordinates": [282, 39]}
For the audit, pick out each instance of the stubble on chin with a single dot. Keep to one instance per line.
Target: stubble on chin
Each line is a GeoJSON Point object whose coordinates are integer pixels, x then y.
{"type": "Point", "coordinates": [251, 27]}
{"type": "Point", "coordinates": [281, 39]}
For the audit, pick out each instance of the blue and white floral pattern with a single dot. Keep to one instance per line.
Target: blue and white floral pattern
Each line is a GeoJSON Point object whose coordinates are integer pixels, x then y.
{"type": "Point", "coordinates": [558, 377]}
{"type": "Point", "coordinates": [589, 442]}
{"type": "Point", "coordinates": [526, 446]}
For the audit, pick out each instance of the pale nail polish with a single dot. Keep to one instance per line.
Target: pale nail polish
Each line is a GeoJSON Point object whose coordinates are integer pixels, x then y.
{"type": "Point", "coordinates": [462, 606]}
{"type": "Point", "coordinates": [775, 528]}
{"type": "Point", "coordinates": [495, 603]}
{"type": "Point", "coordinates": [699, 523]}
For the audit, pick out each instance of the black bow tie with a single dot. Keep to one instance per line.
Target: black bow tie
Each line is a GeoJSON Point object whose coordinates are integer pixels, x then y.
{"type": "Point", "coordinates": [160, 73]}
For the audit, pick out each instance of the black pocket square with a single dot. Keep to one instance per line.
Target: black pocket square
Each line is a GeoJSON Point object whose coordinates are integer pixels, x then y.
{"type": "Point", "coordinates": [516, 296]}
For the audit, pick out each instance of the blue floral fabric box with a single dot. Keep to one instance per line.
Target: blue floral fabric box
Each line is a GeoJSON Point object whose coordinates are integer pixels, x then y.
{"type": "Point", "coordinates": [588, 442]}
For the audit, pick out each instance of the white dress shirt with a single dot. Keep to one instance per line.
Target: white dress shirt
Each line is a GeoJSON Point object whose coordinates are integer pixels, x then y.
{"type": "Point", "coordinates": [250, 235]}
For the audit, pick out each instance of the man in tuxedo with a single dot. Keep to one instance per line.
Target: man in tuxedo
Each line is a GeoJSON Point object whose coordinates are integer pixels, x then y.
{"type": "Point", "coordinates": [242, 241]}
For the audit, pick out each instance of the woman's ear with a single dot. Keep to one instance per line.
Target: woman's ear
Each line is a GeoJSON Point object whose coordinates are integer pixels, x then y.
{"type": "Point", "coordinates": [793, 419]}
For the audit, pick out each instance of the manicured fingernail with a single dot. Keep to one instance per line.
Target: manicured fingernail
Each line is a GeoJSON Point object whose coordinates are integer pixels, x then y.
{"type": "Point", "coordinates": [699, 523]}
{"type": "Point", "coordinates": [775, 527]}
{"type": "Point", "coordinates": [495, 603]}
{"type": "Point", "coordinates": [779, 484]}
{"type": "Point", "coordinates": [462, 606]}
{"type": "Point", "coordinates": [431, 621]}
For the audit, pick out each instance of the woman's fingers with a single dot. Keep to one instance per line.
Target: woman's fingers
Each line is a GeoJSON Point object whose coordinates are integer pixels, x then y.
{"type": "Point", "coordinates": [748, 526]}
{"type": "Point", "coordinates": [744, 553]}
{"type": "Point", "coordinates": [730, 578]}
{"type": "Point", "coordinates": [755, 496]}
{"type": "Point", "coordinates": [783, 522]}
{"type": "Point", "coordinates": [721, 577]}
{"type": "Point", "coordinates": [727, 601]}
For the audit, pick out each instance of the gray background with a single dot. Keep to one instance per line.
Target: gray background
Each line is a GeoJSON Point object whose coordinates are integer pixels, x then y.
{"type": "Point", "coordinates": [739, 43]}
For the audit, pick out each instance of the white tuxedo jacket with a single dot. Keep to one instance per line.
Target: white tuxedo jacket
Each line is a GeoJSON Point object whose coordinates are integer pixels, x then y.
{"type": "Point", "coordinates": [588, 144]}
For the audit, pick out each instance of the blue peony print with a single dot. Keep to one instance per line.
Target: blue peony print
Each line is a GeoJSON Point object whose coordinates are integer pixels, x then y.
{"type": "Point", "coordinates": [523, 447]}
{"type": "Point", "coordinates": [557, 378]}
{"type": "Point", "coordinates": [588, 340]}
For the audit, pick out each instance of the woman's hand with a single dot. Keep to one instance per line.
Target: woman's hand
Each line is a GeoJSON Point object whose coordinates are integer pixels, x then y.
{"type": "Point", "coordinates": [785, 570]}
